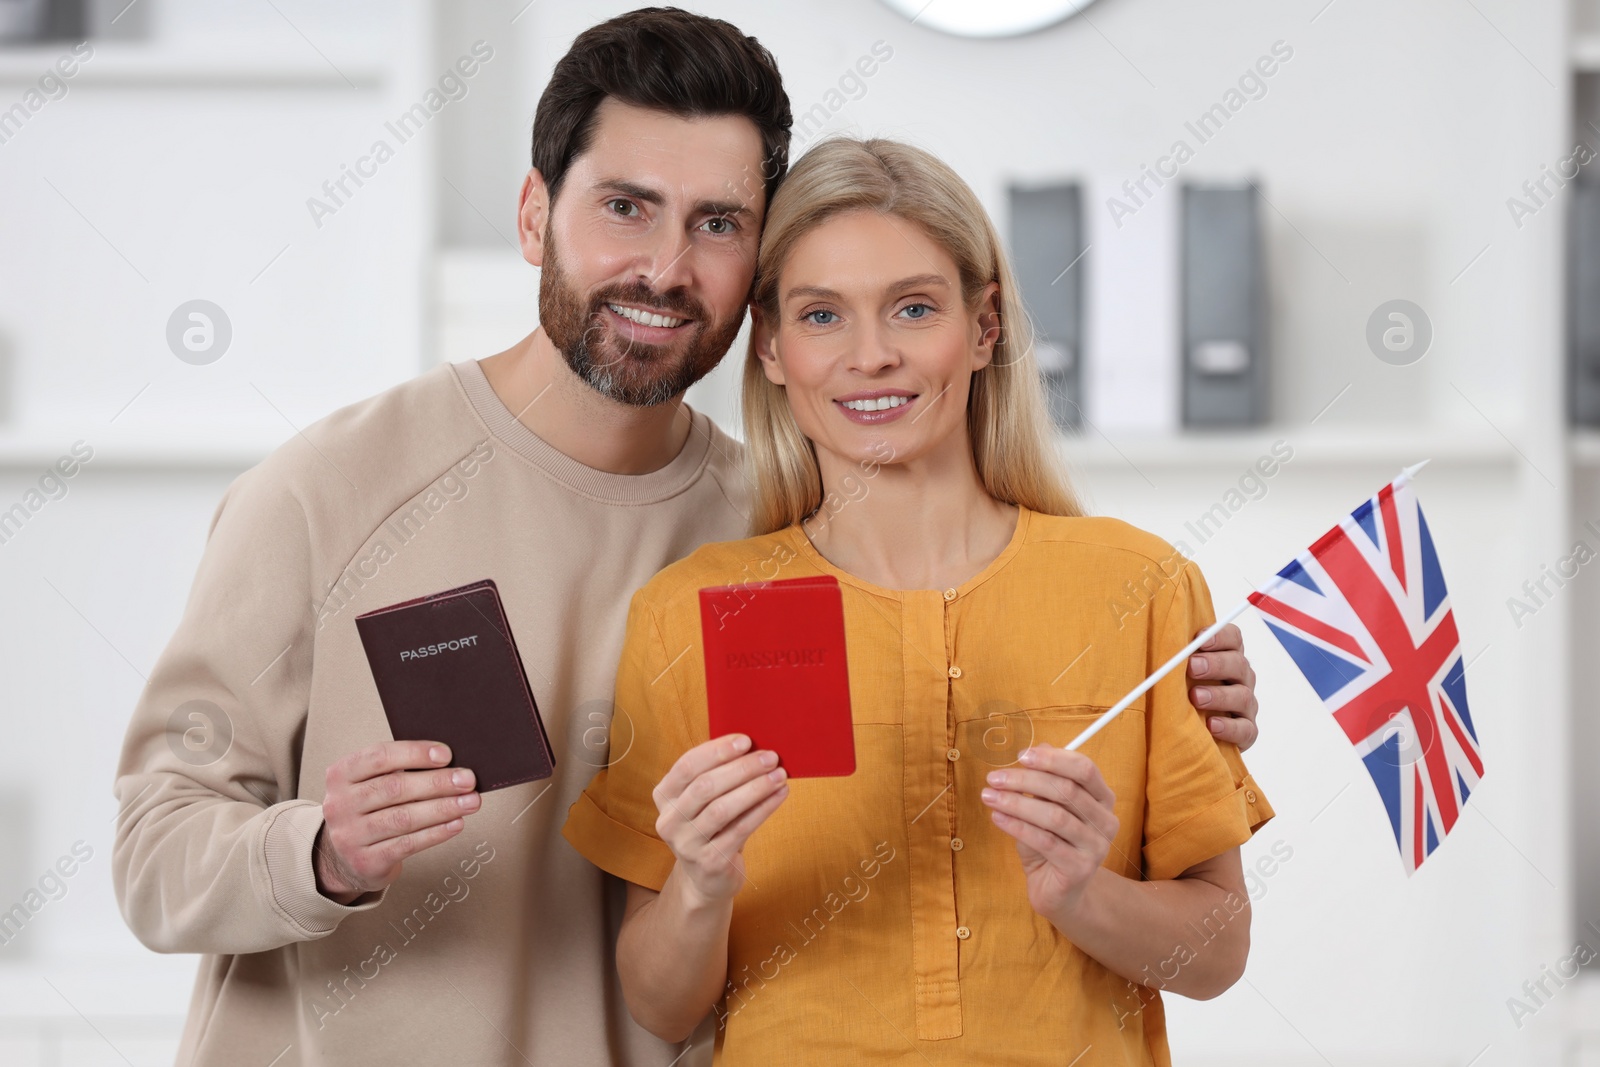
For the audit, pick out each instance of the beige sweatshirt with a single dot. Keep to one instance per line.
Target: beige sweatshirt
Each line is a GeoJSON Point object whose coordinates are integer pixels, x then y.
{"type": "Point", "coordinates": [495, 947]}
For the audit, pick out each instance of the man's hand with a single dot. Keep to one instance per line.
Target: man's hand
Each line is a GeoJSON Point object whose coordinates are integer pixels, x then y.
{"type": "Point", "coordinates": [1060, 811]}
{"type": "Point", "coordinates": [382, 805]}
{"type": "Point", "coordinates": [1228, 701]}
{"type": "Point", "coordinates": [711, 801]}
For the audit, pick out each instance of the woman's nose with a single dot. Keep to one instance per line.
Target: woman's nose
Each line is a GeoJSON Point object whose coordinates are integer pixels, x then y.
{"type": "Point", "coordinates": [873, 351]}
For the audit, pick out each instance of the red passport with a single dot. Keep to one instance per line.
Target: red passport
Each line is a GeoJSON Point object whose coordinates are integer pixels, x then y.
{"type": "Point", "coordinates": [776, 670]}
{"type": "Point", "coordinates": [447, 669]}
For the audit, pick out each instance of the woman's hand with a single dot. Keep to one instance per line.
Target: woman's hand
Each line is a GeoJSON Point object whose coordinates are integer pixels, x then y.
{"type": "Point", "coordinates": [711, 801]}
{"type": "Point", "coordinates": [1060, 811]}
{"type": "Point", "coordinates": [672, 953]}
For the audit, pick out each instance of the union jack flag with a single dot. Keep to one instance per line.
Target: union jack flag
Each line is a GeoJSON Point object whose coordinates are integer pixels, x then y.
{"type": "Point", "coordinates": [1365, 615]}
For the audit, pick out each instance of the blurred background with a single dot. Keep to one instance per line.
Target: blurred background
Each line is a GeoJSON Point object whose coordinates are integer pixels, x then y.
{"type": "Point", "coordinates": [1344, 235]}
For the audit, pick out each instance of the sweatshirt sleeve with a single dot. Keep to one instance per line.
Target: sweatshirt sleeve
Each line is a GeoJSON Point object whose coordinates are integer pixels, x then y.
{"type": "Point", "coordinates": [213, 851]}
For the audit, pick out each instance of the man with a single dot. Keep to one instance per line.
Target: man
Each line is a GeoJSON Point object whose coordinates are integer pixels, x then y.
{"type": "Point", "coordinates": [357, 900]}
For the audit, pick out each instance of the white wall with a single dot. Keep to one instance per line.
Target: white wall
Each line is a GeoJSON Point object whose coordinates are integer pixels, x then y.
{"type": "Point", "coordinates": [174, 168]}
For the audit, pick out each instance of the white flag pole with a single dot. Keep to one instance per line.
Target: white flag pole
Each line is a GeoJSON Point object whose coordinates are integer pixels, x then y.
{"type": "Point", "coordinates": [1408, 473]}
{"type": "Point", "coordinates": [1205, 635]}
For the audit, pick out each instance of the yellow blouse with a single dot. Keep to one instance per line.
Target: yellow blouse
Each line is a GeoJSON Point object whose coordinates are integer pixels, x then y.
{"type": "Point", "coordinates": [885, 918]}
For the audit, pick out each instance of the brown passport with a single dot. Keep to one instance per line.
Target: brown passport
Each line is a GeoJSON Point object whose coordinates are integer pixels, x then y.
{"type": "Point", "coordinates": [447, 669]}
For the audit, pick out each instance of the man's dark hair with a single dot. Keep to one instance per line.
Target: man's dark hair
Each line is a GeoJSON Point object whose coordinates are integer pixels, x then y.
{"type": "Point", "coordinates": [668, 59]}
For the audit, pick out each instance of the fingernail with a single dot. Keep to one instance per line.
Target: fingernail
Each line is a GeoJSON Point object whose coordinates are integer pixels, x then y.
{"type": "Point", "coordinates": [460, 778]}
{"type": "Point", "coordinates": [1216, 725]}
{"type": "Point", "coordinates": [453, 825]}
{"type": "Point", "coordinates": [439, 754]}
{"type": "Point", "coordinates": [740, 743]}
{"type": "Point", "coordinates": [1027, 757]}
{"type": "Point", "coordinates": [989, 796]}
{"type": "Point", "coordinates": [997, 777]}
{"type": "Point", "coordinates": [467, 800]}
{"type": "Point", "coordinates": [778, 775]}
{"type": "Point", "coordinates": [1202, 695]}
{"type": "Point", "coordinates": [1198, 664]}
{"type": "Point", "coordinates": [768, 759]}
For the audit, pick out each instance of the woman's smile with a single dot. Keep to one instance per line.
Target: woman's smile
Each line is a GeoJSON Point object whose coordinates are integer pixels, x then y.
{"type": "Point", "coordinates": [876, 406]}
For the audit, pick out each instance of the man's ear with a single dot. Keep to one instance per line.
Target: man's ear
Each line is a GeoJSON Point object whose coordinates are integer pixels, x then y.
{"type": "Point", "coordinates": [533, 216]}
{"type": "Point", "coordinates": [990, 326]}
{"type": "Point", "coordinates": [761, 334]}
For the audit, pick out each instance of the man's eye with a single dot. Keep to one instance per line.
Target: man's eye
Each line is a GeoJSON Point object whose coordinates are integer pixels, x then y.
{"type": "Point", "coordinates": [624, 207]}
{"type": "Point", "coordinates": [916, 311]}
{"type": "Point", "coordinates": [820, 317]}
{"type": "Point", "coordinates": [720, 225]}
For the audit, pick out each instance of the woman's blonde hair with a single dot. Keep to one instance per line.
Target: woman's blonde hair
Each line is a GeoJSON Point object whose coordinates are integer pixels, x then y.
{"type": "Point", "coordinates": [1012, 437]}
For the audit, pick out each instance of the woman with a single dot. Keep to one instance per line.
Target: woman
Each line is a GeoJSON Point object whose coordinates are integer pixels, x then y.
{"type": "Point", "coordinates": [973, 892]}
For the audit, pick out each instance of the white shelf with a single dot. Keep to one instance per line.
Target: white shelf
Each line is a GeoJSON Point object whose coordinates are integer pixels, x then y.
{"type": "Point", "coordinates": [220, 448]}
{"type": "Point", "coordinates": [155, 66]}
{"type": "Point", "coordinates": [1337, 447]}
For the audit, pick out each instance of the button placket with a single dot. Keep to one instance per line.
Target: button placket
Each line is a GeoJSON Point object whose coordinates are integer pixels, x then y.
{"type": "Point", "coordinates": [952, 755]}
{"type": "Point", "coordinates": [930, 807]}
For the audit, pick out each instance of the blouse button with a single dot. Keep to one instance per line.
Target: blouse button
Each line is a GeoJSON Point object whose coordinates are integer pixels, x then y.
{"type": "Point", "coordinates": [949, 594]}
{"type": "Point", "coordinates": [963, 932]}
{"type": "Point", "coordinates": [952, 754]}
{"type": "Point", "coordinates": [955, 672]}
{"type": "Point", "coordinates": [956, 844]}
{"type": "Point", "coordinates": [1250, 796]}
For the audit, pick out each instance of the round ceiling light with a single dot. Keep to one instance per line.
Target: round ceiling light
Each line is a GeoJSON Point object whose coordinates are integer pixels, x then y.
{"type": "Point", "coordinates": [988, 18]}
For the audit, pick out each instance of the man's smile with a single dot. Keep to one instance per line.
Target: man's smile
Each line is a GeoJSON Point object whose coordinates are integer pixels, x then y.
{"type": "Point", "coordinates": [645, 317]}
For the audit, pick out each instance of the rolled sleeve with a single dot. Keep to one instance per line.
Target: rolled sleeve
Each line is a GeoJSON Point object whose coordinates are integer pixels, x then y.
{"type": "Point", "coordinates": [613, 846]}
{"type": "Point", "coordinates": [613, 822]}
{"type": "Point", "coordinates": [1256, 806]}
{"type": "Point", "coordinates": [1209, 832]}
{"type": "Point", "coordinates": [1200, 799]}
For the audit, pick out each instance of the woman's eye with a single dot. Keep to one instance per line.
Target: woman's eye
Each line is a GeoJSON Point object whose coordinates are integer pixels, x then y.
{"type": "Point", "coordinates": [820, 317]}
{"type": "Point", "coordinates": [916, 311]}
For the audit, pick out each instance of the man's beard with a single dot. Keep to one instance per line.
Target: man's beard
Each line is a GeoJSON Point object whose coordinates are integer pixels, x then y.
{"type": "Point", "coordinates": [629, 372]}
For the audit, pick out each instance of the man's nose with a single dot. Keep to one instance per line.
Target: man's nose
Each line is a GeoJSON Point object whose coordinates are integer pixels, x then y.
{"type": "Point", "coordinates": [670, 262]}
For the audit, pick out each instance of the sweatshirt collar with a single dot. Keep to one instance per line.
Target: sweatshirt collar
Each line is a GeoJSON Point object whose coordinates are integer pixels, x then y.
{"type": "Point", "coordinates": [662, 484]}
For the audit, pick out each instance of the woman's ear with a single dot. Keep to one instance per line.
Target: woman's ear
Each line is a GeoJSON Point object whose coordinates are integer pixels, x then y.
{"type": "Point", "coordinates": [533, 216]}
{"type": "Point", "coordinates": [762, 336]}
{"type": "Point", "coordinates": [990, 326]}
